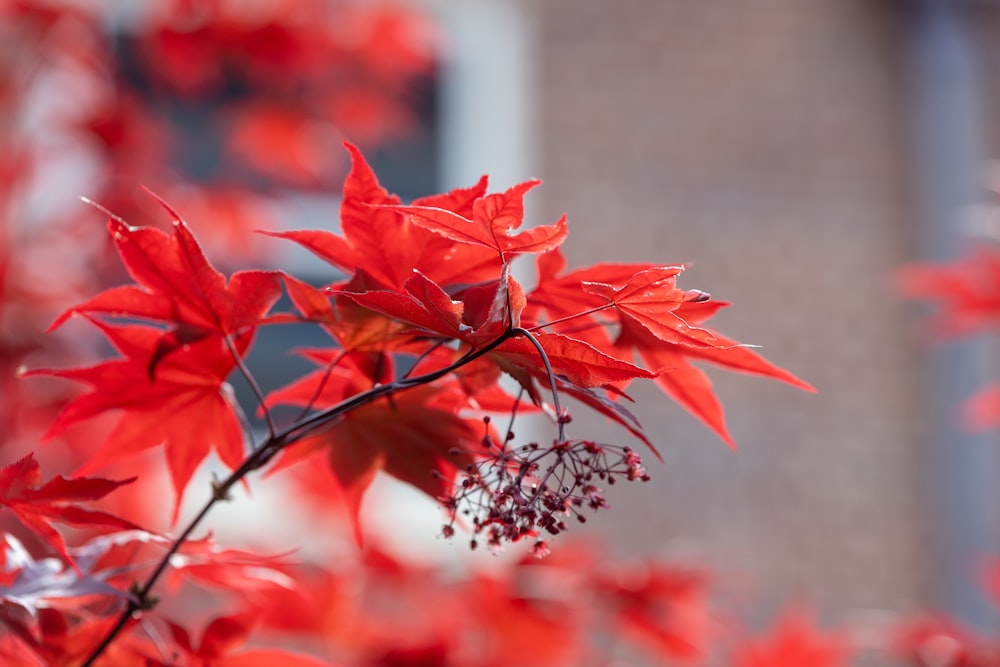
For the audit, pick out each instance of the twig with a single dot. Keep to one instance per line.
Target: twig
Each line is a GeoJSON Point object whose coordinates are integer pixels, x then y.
{"type": "Point", "coordinates": [272, 445]}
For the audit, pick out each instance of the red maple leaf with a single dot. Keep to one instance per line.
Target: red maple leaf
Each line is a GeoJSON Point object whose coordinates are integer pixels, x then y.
{"type": "Point", "coordinates": [563, 298]}
{"type": "Point", "coordinates": [481, 316]}
{"type": "Point", "coordinates": [423, 304]}
{"type": "Point", "coordinates": [641, 308]}
{"type": "Point", "coordinates": [37, 504]}
{"type": "Point", "coordinates": [354, 327]}
{"type": "Point", "coordinates": [281, 142]}
{"type": "Point", "coordinates": [386, 245]}
{"type": "Point", "coordinates": [650, 300]}
{"type": "Point", "coordinates": [580, 363]}
{"type": "Point", "coordinates": [506, 626]}
{"type": "Point", "coordinates": [186, 406]}
{"type": "Point", "coordinates": [177, 285]}
{"type": "Point", "coordinates": [689, 385]}
{"type": "Point", "coordinates": [966, 292]}
{"type": "Point", "coordinates": [490, 309]}
{"type": "Point", "coordinates": [485, 314]}
{"type": "Point", "coordinates": [494, 217]}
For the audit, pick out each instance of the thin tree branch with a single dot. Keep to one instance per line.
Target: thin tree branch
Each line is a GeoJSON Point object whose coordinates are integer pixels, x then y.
{"type": "Point", "coordinates": [560, 420]}
{"type": "Point", "coordinates": [272, 445]}
{"type": "Point", "coordinates": [252, 381]}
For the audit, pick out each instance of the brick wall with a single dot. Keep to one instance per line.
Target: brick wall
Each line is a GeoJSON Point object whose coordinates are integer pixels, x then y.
{"type": "Point", "coordinates": [765, 143]}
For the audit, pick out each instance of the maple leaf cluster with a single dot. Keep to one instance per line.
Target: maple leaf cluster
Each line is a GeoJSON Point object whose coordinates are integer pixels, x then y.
{"type": "Point", "coordinates": [424, 322]}
{"type": "Point", "coordinates": [430, 289]}
{"type": "Point", "coordinates": [419, 334]}
{"type": "Point", "coordinates": [435, 354]}
{"type": "Point", "coordinates": [222, 107]}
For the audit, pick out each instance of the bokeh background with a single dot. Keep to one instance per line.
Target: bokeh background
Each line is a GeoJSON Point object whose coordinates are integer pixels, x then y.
{"type": "Point", "coordinates": [777, 148]}
{"type": "Point", "coordinates": [795, 154]}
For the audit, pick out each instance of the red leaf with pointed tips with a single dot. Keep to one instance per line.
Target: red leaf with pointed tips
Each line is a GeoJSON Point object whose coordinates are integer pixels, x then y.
{"type": "Point", "coordinates": [423, 305]}
{"type": "Point", "coordinates": [564, 298]}
{"type": "Point", "coordinates": [657, 320]}
{"type": "Point", "coordinates": [242, 572]}
{"type": "Point", "coordinates": [691, 387]}
{"type": "Point", "coordinates": [493, 218]}
{"type": "Point", "coordinates": [492, 308]}
{"type": "Point", "coordinates": [37, 504]}
{"type": "Point", "coordinates": [177, 284]}
{"type": "Point", "coordinates": [665, 610]}
{"type": "Point", "coordinates": [650, 300]}
{"type": "Point", "coordinates": [356, 328]}
{"type": "Point", "coordinates": [387, 245]}
{"type": "Point", "coordinates": [581, 364]}
{"type": "Point", "coordinates": [966, 293]}
{"type": "Point", "coordinates": [186, 406]}
{"type": "Point", "coordinates": [485, 312]}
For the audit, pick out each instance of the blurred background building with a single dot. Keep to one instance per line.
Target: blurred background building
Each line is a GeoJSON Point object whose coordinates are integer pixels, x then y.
{"type": "Point", "coordinates": [795, 154]}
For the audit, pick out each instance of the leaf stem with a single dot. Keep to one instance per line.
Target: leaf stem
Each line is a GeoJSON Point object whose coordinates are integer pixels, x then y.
{"type": "Point", "coordinates": [595, 309]}
{"type": "Point", "coordinates": [252, 381]}
{"type": "Point", "coordinates": [423, 355]}
{"type": "Point", "coordinates": [513, 416]}
{"type": "Point", "coordinates": [518, 331]}
{"type": "Point", "coordinates": [296, 431]}
{"type": "Point", "coordinates": [322, 385]}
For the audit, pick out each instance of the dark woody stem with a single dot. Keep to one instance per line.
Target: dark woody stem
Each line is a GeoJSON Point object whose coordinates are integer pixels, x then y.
{"type": "Point", "coordinates": [271, 446]}
{"type": "Point", "coordinates": [252, 381]}
{"type": "Point", "coordinates": [322, 385]}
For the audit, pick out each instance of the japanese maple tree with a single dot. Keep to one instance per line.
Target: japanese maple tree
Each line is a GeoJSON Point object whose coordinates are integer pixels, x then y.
{"type": "Point", "coordinates": [423, 319]}
{"type": "Point", "coordinates": [433, 353]}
